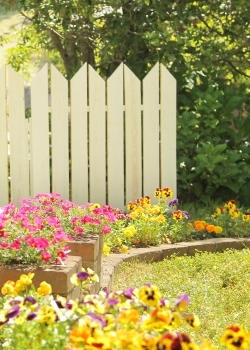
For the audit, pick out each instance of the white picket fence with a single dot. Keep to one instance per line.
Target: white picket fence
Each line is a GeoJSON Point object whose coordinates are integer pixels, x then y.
{"type": "Point", "coordinates": [122, 135]}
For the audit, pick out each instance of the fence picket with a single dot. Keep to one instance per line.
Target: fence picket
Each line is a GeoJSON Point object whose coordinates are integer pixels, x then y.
{"type": "Point", "coordinates": [115, 139]}
{"type": "Point", "coordinates": [168, 129]}
{"type": "Point", "coordinates": [119, 150]}
{"type": "Point", "coordinates": [4, 183]}
{"type": "Point", "coordinates": [97, 138]}
{"type": "Point", "coordinates": [60, 133]}
{"type": "Point", "coordinates": [151, 145]}
{"type": "Point", "coordinates": [79, 136]}
{"type": "Point", "coordinates": [39, 134]}
{"type": "Point", "coordinates": [19, 138]}
{"type": "Point", "coordinates": [133, 152]}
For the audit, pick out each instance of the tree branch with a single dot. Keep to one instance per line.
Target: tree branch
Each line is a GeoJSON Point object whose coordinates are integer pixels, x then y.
{"type": "Point", "coordinates": [235, 68]}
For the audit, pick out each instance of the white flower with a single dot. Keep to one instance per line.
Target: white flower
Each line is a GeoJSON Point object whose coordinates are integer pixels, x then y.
{"type": "Point", "coordinates": [193, 168]}
{"type": "Point", "coordinates": [182, 165]}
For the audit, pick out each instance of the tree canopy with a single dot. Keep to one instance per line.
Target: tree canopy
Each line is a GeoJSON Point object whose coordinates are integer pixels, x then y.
{"type": "Point", "coordinates": [182, 34]}
{"type": "Point", "coordinates": [205, 44]}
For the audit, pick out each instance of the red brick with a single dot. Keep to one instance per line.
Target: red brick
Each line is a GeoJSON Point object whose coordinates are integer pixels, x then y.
{"type": "Point", "coordinates": [58, 276]}
{"type": "Point", "coordinates": [87, 248]}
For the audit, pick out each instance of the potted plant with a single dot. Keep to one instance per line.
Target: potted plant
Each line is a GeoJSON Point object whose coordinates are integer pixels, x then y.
{"type": "Point", "coordinates": [45, 230]}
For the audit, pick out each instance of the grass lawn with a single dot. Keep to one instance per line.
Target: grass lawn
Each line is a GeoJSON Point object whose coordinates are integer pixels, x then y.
{"type": "Point", "coordinates": [218, 285]}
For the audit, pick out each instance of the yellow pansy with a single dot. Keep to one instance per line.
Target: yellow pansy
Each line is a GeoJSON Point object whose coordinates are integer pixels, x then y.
{"type": "Point", "coordinates": [192, 320]}
{"type": "Point", "coordinates": [94, 206]}
{"type": "Point", "coordinates": [217, 229]}
{"type": "Point", "coordinates": [235, 337]}
{"type": "Point", "coordinates": [155, 209]}
{"type": "Point", "coordinates": [44, 289]}
{"type": "Point", "coordinates": [128, 315]}
{"type": "Point", "coordinates": [149, 294]}
{"type": "Point", "coordinates": [46, 314]}
{"type": "Point", "coordinates": [9, 288]}
{"type": "Point", "coordinates": [144, 217]}
{"type": "Point", "coordinates": [19, 286]}
{"type": "Point", "coordinates": [160, 218]}
{"type": "Point", "coordinates": [134, 214]}
{"type": "Point", "coordinates": [106, 250]}
{"type": "Point", "coordinates": [166, 192]}
{"type": "Point", "coordinates": [157, 193]}
{"type": "Point", "coordinates": [124, 249]}
{"type": "Point", "coordinates": [129, 231]}
{"type": "Point", "coordinates": [27, 279]}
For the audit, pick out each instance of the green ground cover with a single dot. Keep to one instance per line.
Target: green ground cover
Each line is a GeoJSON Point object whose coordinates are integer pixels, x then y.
{"type": "Point", "coordinates": [218, 285]}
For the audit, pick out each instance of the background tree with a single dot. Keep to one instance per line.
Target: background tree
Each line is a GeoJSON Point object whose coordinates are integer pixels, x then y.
{"type": "Point", "coordinates": [204, 44]}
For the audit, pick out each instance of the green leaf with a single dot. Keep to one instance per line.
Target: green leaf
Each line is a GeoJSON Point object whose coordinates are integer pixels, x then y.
{"type": "Point", "coordinates": [219, 148]}
{"type": "Point", "coordinates": [203, 158]}
{"type": "Point", "coordinates": [217, 159]}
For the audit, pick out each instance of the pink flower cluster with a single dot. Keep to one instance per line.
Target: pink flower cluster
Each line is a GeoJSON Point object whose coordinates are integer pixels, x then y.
{"type": "Point", "coordinates": [31, 234]}
{"type": "Point", "coordinates": [98, 219]}
{"type": "Point", "coordinates": [38, 231]}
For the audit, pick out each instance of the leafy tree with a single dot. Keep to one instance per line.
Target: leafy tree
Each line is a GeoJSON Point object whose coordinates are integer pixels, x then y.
{"type": "Point", "coordinates": [204, 44]}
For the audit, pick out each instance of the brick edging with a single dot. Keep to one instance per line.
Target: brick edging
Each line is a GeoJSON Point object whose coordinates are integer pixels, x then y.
{"type": "Point", "coordinates": [154, 254]}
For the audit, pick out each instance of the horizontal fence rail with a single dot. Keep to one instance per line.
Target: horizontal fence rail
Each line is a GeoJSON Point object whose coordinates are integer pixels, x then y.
{"type": "Point", "coordinates": [89, 139]}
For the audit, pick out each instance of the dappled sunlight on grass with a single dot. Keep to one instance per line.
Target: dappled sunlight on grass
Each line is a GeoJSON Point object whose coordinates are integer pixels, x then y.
{"type": "Point", "coordinates": [218, 285]}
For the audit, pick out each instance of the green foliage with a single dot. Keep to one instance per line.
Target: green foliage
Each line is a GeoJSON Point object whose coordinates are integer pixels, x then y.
{"type": "Point", "coordinates": [213, 139]}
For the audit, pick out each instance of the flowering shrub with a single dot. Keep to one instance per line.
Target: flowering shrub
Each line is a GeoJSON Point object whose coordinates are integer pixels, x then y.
{"type": "Point", "coordinates": [228, 221]}
{"type": "Point", "coordinates": [149, 225]}
{"type": "Point", "coordinates": [29, 236]}
{"type": "Point", "coordinates": [234, 221]}
{"type": "Point", "coordinates": [131, 319]}
{"type": "Point", "coordinates": [38, 232]}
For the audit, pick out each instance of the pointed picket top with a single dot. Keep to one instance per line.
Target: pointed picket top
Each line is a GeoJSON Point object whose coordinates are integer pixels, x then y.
{"type": "Point", "coordinates": [4, 183]}
{"type": "Point", "coordinates": [40, 73]}
{"type": "Point", "coordinates": [39, 134]}
{"type": "Point", "coordinates": [168, 129]}
{"type": "Point", "coordinates": [18, 129]}
{"type": "Point", "coordinates": [168, 75]}
{"type": "Point", "coordinates": [12, 74]}
{"type": "Point", "coordinates": [59, 130]}
{"type": "Point", "coordinates": [133, 133]}
{"type": "Point", "coordinates": [130, 77]}
{"type": "Point", "coordinates": [117, 75]}
{"type": "Point", "coordinates": [115, 139]}
{"type": "Point", "coordinates": [56, 75]}
{"type": "Point", "coordinates": [92, 72]}
{"type": "Point", "coordinates": [80, 72]}
{"type": "Point", "coordinates": [151, 147]}
{"type": "Point", "coordinates": [79, 135]}
{"type": "Point", "coordinates": [153, 71]}
{"type": "Point", "coordinates": [97, 138]}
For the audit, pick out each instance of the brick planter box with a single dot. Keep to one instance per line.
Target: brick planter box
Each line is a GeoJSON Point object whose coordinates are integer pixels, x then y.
{"type": "Point", "coordinates": [56, 275]}
{"type": "Point", "coordinates": [90, 248]}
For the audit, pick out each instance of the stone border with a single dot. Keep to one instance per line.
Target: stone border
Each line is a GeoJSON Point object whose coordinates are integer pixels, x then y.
{"type": "Point", "coordinates": [154, 254]}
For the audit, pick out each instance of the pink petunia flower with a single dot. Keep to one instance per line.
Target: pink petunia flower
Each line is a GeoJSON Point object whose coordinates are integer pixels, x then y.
{"type": "Point", "coordinates": [106, 229]}
{"type": "Point", "coordinates": [45, 256]}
